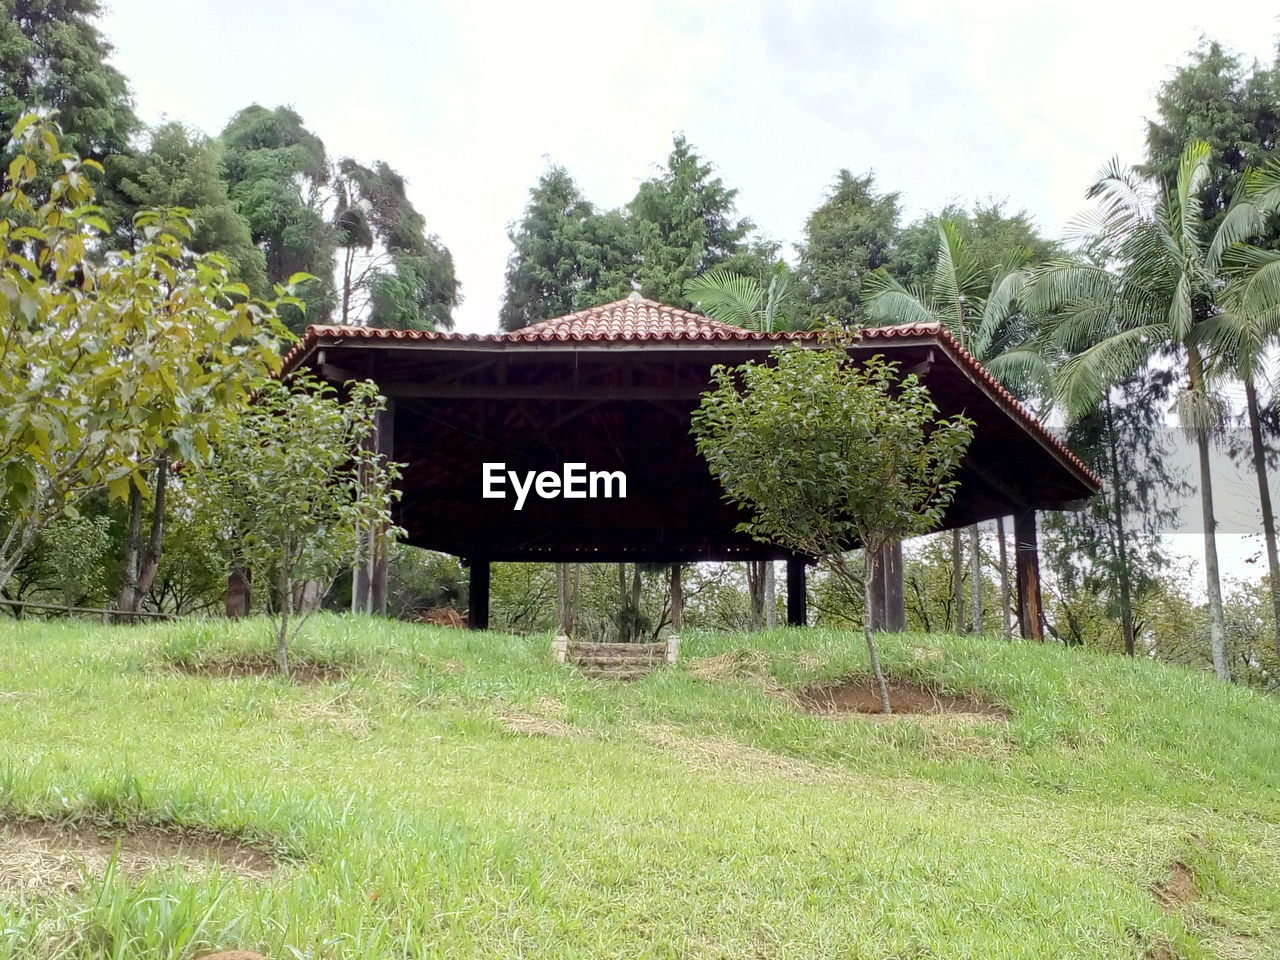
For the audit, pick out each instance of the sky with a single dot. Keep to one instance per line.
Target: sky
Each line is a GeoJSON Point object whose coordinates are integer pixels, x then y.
{"type": "Point", "coordinates": [1021, 102]}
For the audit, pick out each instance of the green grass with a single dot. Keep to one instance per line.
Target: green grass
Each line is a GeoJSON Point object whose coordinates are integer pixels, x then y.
{"type": "Point", "coordinates": [681, 817]}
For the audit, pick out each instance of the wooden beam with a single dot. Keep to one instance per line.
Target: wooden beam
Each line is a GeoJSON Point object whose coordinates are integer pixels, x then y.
{"type": "Point", "coordinates": [478, 595]}
{"type": "Point", "coordinates": [550, 391]}
{"type": "Point", "coordinates": [797, 596]}
{"type": "Point", "coordinates": [1027, 564]}
{"type": "Point", "coordinates": [888, 608]}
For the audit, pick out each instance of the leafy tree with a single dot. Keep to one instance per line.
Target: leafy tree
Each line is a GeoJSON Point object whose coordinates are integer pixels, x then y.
{"type": "Point", "coordinates": [684, 223]}
{"type": "Point", "coordinates": [53, 56]}
{"type": "Point", "coordinates": [849, 236]}
{"type": "Point", "coordinates": [565, 256]}
{"type": "Point", "coordinates": [391, 271]}
{"type": "Point", "coordinates": [826, 454]}
{"type": "Point", "coordinates": [181, 168]}
{"type": "Point", "coordinates": [1157, 304]}
{"type": "Point", "coordinates": [106, 362]}
{"type": "Point", "coordinates": [991, 237]}
{"type": "Point", "coordinates": [277, 175]}
{"type": "Point", "coordinates": [292, 482]}
{"type": "Point", "coordinates": [1242, 336]}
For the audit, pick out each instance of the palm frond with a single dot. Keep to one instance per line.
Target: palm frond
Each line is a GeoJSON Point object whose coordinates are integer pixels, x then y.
{"type": "Point", "coordinates": [893, 303]}
{"type": "Point", "coordinates": [1023, 370]}
{"type": "Point", "coordinates": [728, 297]}
{"type": "Point", "coordinates": [1082, 381]}
{"type": "Point", "coordinates": [1057, 282]}
{"type": "Point", "coordinates": [1193, 171]}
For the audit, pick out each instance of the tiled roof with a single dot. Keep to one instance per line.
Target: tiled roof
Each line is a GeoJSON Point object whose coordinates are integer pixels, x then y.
{"type": "Point", "coordinates": [631, 319]}
{"type": "Point", "coordinates": [638, 320]}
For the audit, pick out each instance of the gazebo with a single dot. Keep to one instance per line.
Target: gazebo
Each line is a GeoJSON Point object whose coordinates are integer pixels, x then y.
{"type": "Point", "coordinates": [609, 391]}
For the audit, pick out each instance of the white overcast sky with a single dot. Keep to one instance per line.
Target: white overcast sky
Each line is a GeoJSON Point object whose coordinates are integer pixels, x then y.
{"type": "Point", "coordinates": [470, 100]}
{"type": "Point", "coordinates": [1021, 101]}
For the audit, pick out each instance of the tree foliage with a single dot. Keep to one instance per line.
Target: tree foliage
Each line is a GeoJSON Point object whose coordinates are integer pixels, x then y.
{"type": "Point", "coordinates": [182, 168]}
{"type": "Point", "coordinates": [565, 256]}
{"type": "Point", "coordinates": [685, 222]}
{"type": "Point", "coordinates": [277, 172]}
{"type": "Point", "coordinates": [105, 361]}
{"type": "Point", "coordinates": [392, 272]}
{"type": "Point", "coordinates": [1218, 99]}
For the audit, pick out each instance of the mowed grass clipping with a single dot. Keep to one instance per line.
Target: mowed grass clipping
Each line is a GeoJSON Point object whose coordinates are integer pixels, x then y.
{"type": "Point", "coordinates": [429, 792]}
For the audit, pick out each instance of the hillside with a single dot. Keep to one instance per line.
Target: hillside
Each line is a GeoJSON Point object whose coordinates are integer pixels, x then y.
{"type": "Point", "coordinates": [424, 792]}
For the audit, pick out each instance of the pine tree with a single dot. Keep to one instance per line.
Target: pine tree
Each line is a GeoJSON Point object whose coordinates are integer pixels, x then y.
{"type": "Point", "coordinates": [685, 223]}
{"type": "Point", "coordinates": [565, 256]}
{"type": "Point", "coordinates": [850, 235]}
{"type": "Point", "coordinates": [53, 56]}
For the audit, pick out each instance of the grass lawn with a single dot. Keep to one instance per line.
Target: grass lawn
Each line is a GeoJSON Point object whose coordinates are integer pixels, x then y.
{"type": "Point", "coordinates": [452, 794]}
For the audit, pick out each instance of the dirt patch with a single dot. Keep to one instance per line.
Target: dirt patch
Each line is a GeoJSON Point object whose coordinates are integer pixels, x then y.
{"type": "Point", "coordinates": [41, 857]}
{"type": "Point", "coordinates": [861, 695]}
{"type": "Point", "coordinates": [301, 672]}
{"type": "Point", "coordinates": [1177, 889]}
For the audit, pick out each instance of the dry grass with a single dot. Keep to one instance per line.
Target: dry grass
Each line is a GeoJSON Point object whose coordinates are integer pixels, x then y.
{"type": "Point", "coordinates": [44, 858]}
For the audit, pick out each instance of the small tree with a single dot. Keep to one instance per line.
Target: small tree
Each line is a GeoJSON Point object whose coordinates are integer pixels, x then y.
{"type": "Point", "coordinates": [825, 454]}
{"type": "Point", "coordinates": [292, 481]}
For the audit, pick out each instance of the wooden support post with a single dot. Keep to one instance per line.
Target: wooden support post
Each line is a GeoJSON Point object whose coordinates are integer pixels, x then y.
{"type": "Point", "coordinates": [888, 608]}
{"type": "Point", "coordinates": [478, 595]}
{"type": "Point", "coordinates": [797, 597]}
{"type": "Point", "coordinates": [1027, 564]}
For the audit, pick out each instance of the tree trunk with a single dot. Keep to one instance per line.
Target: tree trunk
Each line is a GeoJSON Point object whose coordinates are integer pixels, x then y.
{"type": "Point", "coordinates": [677, 597]}
{"type": "Point", "coordinates": [1006, 620]}
{"type": "Point", "coordinates": [132, 546]}
{"type": "Point", "coordinates": [872, 651]}
{"type": "Point", "coordinates": [770, 597]}
{"type": "Point", "coordinates": [286, 607]}
{"type": "Point", "coordinates": [1121, 544]}
{"type": "Point", "coordinates": [957, 582]}
{"type": "Point", "coordinates": [149, 564]}
{"type": "Point", "coordinates": [975, 574]}
{"type": "Point", "coordinates": [755, 592]}
{"type": "Point", "coordinates": [1264, 498]}
{"type": "Point", "coordinates": [1213, 581]}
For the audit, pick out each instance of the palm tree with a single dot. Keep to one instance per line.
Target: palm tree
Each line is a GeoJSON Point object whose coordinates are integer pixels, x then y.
{"type": "Point", "coordinates": [1242, 335]}
{"type": "Point", "coordinates": [1157, 303]}
{"type": "Point", "coordinates": [984, 312]}
{"type": "Point", "coordinates": [744, 301]}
